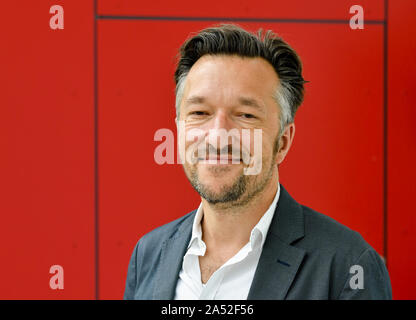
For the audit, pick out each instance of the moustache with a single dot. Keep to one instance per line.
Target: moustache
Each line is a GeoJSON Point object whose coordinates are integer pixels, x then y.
{"type": "Point", "coordinates": [207, 153]}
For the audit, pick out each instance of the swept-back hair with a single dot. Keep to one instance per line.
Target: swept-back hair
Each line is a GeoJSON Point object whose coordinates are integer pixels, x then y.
{"type": "Point", "coordinates": [230, 39]}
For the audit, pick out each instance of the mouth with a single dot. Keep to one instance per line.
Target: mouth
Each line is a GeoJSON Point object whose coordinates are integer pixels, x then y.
{"type": "Point", "coordinates": [220, 160]}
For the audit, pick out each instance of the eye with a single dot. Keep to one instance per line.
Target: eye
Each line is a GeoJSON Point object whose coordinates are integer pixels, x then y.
{"type": "Point", "coordinates": [248, 116]}
{"type": "Point", "coordinates": [198, 113]}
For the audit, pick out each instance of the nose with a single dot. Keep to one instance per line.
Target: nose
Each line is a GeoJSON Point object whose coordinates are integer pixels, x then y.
{"type": "Point", "coordinates": [221, 121]}
{"type": "Point", "coordinates": [222, 131]}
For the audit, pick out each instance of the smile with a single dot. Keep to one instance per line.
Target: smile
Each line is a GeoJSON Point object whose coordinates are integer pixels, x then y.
{"type": "Point", "coordinates": [219, 160]}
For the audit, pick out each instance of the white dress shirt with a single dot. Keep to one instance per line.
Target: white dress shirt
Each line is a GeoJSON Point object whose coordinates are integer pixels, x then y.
{"type": "Point", "coordinates": [232, 281]}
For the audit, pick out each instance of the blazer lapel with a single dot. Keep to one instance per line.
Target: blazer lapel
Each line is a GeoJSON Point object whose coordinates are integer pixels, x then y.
{"type": "Point", "coordinates": [171, 256]}
{"type": "Point", "coordinates": [279, 261]}
{"type": "Point", "coordinates": [276, 270]}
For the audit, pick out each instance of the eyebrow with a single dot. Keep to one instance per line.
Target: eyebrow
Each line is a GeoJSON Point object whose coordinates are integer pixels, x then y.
{"type": "Point", "coordinates": [250, 102]}
{"type": "Point", "coordinates": [245, 101]}
{"type": "Point", "coordinates": [195, 99]}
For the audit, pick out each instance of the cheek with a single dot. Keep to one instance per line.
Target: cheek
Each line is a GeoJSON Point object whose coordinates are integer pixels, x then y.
{"type": "Point", "coordinates": [189, 142]}
{"type": "Point", "coordinates": [252, 140]}
{"type": "Point", "coordinates": [188, 135]}
{"type": "Point", "coordinates": [269, 146]}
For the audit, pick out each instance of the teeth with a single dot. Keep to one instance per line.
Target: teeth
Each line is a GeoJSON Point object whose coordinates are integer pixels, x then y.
{"type": "Point", "coordinates": [218, 160]}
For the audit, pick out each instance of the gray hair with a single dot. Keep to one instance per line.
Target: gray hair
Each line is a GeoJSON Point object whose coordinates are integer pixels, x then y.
{"type": "Point", "coordinates": [230, 39]}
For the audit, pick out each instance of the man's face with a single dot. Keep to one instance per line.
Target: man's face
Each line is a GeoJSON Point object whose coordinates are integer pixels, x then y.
{"type": "Point", "coordinates": [231, 94]}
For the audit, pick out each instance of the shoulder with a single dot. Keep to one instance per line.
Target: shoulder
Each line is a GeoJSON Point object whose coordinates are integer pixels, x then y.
{"type": "Point", "coordinates": [169, 230]}
{"type": "Point", "coordinates": [331, 243]}
{"type": "Point", "coordinates": [323, 231]}
{"type": "Point", "coordinates": [148, 247]}
{"type": "Point", "coordinates": [146, 256]}
{"type": "Point", "coordinates": [339, 250]}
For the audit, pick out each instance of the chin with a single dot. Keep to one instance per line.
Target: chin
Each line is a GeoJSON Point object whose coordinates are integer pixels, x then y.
{"type": "Point", "coordinates": [218, 177]}
{"type": "Point", "coordinates": [219, 170]}
{"type": "Point", "coordinates": [216, 188]}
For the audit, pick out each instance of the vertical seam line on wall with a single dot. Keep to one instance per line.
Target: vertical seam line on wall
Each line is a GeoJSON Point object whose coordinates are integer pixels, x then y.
{"type": "Point", "coordinates": [96, 198]}
{"type": "Point", "coordinates": [385, 131]}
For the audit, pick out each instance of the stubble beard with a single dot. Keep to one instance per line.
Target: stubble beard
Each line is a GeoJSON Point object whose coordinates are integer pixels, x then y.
{"type": "Point", "coordinates": [241, 192]}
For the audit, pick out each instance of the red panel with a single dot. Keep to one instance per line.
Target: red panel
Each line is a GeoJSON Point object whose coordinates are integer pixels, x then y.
{"type": "Point", "coordinates": [402, 148]}
{"type": "Point", "coordinates": [136, 98]}
{"type": "Point", "coordinates": [46, 140]}
{"type": "Point", "coordinates": [335, 165]}
{"type": "Point", "coordinates": [295, 9]}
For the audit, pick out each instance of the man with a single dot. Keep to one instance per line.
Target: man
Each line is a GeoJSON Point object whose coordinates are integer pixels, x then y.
{"type": "Point", "coordinates": [249, 239]}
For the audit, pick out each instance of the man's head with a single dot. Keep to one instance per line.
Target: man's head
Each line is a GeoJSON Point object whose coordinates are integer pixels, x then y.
{"type": "Point", "coordinates": [229, 79]}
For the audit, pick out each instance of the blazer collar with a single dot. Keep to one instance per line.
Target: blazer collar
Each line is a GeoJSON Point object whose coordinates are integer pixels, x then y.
{"type": "Point", "coordinates": [279, 261]}
{"type": "Point", "coordinates": [288, 220]}
{"type": "Point", "coordinates": [171, 256]}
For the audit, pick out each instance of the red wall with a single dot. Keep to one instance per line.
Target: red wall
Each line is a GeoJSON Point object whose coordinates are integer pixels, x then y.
{"type": "Point", "coordinates": [47, 150]}
{"type": "Point", "coordinates": [80, 107]}
{"type": "Point", "coordinates": [401, 152]}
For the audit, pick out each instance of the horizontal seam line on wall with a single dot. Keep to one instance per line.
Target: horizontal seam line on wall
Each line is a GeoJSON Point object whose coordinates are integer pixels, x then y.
{"type": "Point", "coordinates": [174, 18]}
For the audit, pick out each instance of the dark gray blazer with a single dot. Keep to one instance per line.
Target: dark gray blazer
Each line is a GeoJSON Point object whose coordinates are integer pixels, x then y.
{"type": "Point", "coordinates": [306, 255]}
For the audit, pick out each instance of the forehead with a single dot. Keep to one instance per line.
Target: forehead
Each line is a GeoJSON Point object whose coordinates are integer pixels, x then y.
{"type": "Point", "coordinates": [231, 73]}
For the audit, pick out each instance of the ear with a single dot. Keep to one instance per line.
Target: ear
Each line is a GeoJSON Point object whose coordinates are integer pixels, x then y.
{"type": "Point", "coordinates": [285, 143]}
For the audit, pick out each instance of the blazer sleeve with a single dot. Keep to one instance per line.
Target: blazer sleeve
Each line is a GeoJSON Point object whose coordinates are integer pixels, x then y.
{"type": "Point", "coordinates": [131, 280]}
{"type": "Point", "coordinates": [368, 279]}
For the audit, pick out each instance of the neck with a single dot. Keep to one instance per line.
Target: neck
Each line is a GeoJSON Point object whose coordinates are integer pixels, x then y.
{"type": "Point", "coordinates": [231, 226]}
